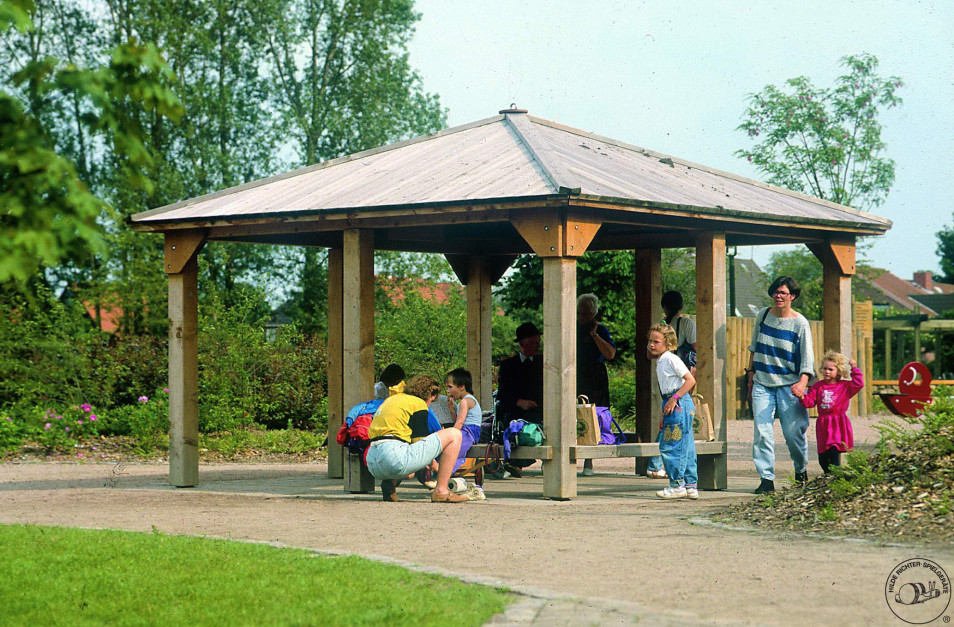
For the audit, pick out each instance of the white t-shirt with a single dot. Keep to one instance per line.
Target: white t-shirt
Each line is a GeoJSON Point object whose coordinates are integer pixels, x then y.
{"type": "Point", "coordinates": [685, 328]}
{"type": "Point", "coordinates": [670, 372]}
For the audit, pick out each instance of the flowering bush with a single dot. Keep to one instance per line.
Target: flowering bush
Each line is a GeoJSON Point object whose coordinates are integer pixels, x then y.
{"type": "Point", "coordinates": [59, 430]}
{"type": "Point", "coordinates": [9, 433]}
{"type": "Point", "coordinates": [147, 418]}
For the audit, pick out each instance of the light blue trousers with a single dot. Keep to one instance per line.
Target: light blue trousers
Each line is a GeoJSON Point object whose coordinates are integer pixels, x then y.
{"type": "Point", "coordinates": [677, 447]}
{"type": "Point", "coordinates": [767, 403]}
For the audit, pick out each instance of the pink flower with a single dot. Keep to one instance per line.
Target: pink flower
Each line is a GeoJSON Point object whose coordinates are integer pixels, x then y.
{"type": "Point", "coordinates": [79, 422]}
{"type": "Point", "coordinates": [86, 407]}
{"type": "Point", "coordinates": [166, 390]}
{"type": "Point", "coordinates": [143, 399]}
{"type": "Point", "coordinates": [79, 454]}
{"type": "Point", "coordinates": [67, 428]}
{"type": "Point", "coordinates": [47, 426]}
{"type": "Point", "coordinates": [93, 417]}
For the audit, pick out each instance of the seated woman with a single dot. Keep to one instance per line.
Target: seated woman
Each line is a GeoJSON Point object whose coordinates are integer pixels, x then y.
{"type": "Point", "coordinates": [400, 444]}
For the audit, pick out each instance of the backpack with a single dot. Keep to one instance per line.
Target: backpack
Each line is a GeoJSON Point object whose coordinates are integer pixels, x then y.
{"type": "Point", "coordinates": [530, 435]}
{"type": "Point", "coordinates": [607, 422]}
{"type": "Point", "coordinates": [684, 351]}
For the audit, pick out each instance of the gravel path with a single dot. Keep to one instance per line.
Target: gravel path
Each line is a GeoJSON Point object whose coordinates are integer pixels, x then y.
{"type": "Point", "coordinates": [614, 554]}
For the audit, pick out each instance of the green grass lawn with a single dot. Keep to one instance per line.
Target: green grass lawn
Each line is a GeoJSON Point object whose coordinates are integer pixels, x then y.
{"type": "Point", "coordinates": [62, 576]}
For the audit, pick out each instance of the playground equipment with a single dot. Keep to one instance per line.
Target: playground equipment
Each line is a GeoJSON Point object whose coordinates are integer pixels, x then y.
{"type": "Point", "coordinates": [914, 387]}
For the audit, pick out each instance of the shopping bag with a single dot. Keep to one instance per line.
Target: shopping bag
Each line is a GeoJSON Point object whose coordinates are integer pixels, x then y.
{"type": "Point", "coordinates": [702, 426]}
{"type": "Point", "coordinates": [587, 424]}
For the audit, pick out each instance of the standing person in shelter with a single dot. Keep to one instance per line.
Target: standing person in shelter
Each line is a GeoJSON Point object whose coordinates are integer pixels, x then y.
{"type": "Point", "coordinates": [677, 446]}
{"type": "Point", "coordinates": [520, 386]}
{"type": "Point", "coordinates": [401, 443]}
{"type": "Point", "coordinates": [831, 394]}
{"type": "Point", "coordinates": [685, 327]}
{"type": "Point", "coordinates": [462, 403]}
{"type": "Point", "coordinates": [594, 347]}
{"type": "Point", "coordinates": [780, 367]}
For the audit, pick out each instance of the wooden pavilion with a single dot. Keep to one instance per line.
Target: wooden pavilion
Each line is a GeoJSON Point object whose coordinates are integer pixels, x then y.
{"type": "Point", "coordinates": [481, 194]}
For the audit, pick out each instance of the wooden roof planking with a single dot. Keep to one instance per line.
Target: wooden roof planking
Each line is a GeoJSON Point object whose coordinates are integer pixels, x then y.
{"type": "Point", "coordinates": [466, 181]}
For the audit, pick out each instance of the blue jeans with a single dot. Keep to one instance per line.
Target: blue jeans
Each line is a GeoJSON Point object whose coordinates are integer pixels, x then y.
{"type": "Point", "coordinates": [767, 403]}
{"type": "Point", "coordinates": [678, 445]}
{"type": "Point", "coordinates": [655, 463]}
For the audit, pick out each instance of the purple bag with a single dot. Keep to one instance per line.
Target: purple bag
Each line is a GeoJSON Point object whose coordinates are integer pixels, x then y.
{"type": "Point", "coordinates": [607, 422]}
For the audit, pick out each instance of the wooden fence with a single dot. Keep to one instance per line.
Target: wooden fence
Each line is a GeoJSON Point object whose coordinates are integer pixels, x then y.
{"type": "Point", "coordinates": [738, 336]}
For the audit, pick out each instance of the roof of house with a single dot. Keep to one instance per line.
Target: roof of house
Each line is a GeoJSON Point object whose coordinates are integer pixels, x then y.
{"type": "Point", "coordinates": [516, 158]}
{"type": "Point", "coordinates": [939, 303]}
{"type": "Point", "coordinates": [897, 292]}
{"type": "Point", "coordinates": [750, 288]}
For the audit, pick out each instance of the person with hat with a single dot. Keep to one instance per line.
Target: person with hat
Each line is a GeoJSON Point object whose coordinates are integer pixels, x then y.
{"type": "Point", "coordinates": [520, 385]}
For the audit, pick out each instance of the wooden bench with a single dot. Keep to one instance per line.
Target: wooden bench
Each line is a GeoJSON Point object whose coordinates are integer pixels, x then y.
{"type": "Point", "coordinates": [711, 474]}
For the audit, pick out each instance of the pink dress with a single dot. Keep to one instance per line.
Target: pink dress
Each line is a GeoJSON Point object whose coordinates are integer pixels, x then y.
{"type": "Point", "coordinates": [833, 429]}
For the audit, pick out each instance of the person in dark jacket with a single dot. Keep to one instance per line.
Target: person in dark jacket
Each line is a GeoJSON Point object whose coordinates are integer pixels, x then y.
{"type": "Point", "coordinates": [520, 385]}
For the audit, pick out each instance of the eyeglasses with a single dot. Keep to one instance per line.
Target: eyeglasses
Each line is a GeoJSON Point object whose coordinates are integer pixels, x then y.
{"type": "Point", "coordinates": [780, 294]}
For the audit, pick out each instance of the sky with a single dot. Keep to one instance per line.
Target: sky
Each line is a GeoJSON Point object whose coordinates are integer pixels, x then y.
{"type": "Point", "coordinates": [674, 77]}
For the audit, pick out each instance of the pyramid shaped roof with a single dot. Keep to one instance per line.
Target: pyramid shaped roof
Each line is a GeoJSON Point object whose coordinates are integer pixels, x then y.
{"type": "Point", "coordinates": [511, 161]}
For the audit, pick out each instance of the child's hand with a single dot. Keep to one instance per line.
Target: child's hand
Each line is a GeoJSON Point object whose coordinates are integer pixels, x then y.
{"type": "Point", "coordinates": [670, 406]}
{"type": "Point", "coordinates": [852, 363]}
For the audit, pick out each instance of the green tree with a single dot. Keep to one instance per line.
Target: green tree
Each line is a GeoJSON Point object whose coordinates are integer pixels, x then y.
{"type": "Point", "coordinates": [49, 212]}
{"type": "Point", "coordinates": [945, 250]}
{"type": "Point", "coordinates": [825, 142]}
{"type": "Point", "coordinates": [342, 77]}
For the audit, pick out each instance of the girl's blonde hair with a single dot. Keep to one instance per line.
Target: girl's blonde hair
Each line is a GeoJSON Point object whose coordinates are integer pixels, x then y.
{"type": "Point", "coordinates": [840, 361]}
{"type": "Point", "coordinates": [668, 333]}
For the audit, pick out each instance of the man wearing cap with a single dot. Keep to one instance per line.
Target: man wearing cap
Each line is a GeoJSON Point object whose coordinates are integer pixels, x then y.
{"type": "Point", "coordinates": [520, 385]}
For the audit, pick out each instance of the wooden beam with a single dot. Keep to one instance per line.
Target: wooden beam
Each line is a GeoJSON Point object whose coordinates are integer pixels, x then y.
{"type": "Point", "coordinates": [184, 375]}
{"type": "Point", "coordinates": [711, 345]}
{"type": "Point", "coordinates": [180, 247]}
{"type": "Point", "coordinates": [647, 294]}
{"type": "Point", "coordinates": [559, 375]}
{"type": "Point", "coordinates": [579, 232]}
{"type": "Point", "coordinates": [542, 230]}
{"type": "Point", "coordinates": [336, 406]}
{"type": "Point", "coordinates": [479, 341]}
{"type": "Point", "coordinates": [838, 253]}
{"type": "Point", "coordinates": [358, 333]}
{"type": "Point", "coordinates": [838, 262]}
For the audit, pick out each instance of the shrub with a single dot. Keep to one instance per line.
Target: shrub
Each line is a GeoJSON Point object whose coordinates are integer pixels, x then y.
{"type": "Point", "coordinates": [244, 379]}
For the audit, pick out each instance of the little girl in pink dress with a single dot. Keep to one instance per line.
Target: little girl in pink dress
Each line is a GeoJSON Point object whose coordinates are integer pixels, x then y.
{"type": "Point", "coordinates": [831, 395]}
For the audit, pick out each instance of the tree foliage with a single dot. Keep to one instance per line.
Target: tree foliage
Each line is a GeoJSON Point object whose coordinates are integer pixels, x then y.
{"type": "Point", "coordinates": [50, 214]}
{"type": "Point", "coordinates": [825, 142]}
{"type": "Point", "coordinates": [945, 250]}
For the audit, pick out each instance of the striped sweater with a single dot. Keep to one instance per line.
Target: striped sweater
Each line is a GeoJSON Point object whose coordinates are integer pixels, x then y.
{"type": "Point", "coordinates": [782, 349]}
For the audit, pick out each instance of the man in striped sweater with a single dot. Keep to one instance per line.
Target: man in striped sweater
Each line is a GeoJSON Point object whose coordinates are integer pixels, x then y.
{"type": "Point", "coordinates": [781, 365]}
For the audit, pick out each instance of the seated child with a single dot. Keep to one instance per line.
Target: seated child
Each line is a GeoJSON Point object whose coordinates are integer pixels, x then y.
{"type": "Point", "coordinates": [831, 395]}
{"type": "Point", "coordinates": [677, 447]}
{"type": "Point", "coordinates": [460, 388]}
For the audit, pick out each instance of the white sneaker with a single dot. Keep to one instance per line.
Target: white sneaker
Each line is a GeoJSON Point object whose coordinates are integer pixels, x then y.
{"type": "Point", "coordinates": [692, 493]}
{"type": "Point", "coordinates": [672, 493]}
{"type": "Point", "coordinates": [588, 472]}
{"type": "Point", "coordinates": [656, 474]}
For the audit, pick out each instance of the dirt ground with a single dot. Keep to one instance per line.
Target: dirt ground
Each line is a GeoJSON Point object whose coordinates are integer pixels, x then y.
{"type": "Point", "coordinates": [615, 541]}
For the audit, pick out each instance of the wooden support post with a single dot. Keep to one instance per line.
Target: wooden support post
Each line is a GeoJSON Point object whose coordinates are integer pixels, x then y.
{"type": "Point", "coordinates": [181, 265]}
{"type": "Point", "coordinates": [336, 406]}
{"type": "Point", "coordinates": [888, 373]}
{"type": "Point", "coordinates": [479, 312]}
{"type": "Point", "coordinates": [647, 293]}
{"type": "Point", "coordinates": [838, 262]}
{"type": "Point", "coordinates": [358, 336]}
{"type": "Point", "coordinates": [559, 375]}
{"type": "Point", "coordinates": [711, 344]}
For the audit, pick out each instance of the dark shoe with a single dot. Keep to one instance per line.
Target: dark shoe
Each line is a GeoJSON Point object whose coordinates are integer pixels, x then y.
{"type": "Point", "coordinates": [389, 490]}
{"type": "Point", "coordinates": [515, 472]}
{"type": "Point", "coordinates": [801, 478]}
{"type": "Point", "coordinates": [765, 487]}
